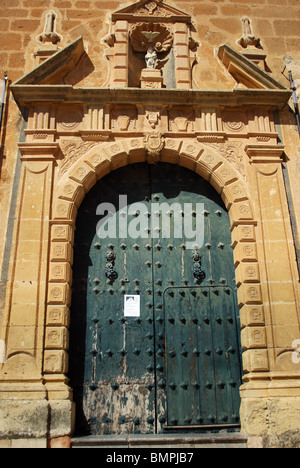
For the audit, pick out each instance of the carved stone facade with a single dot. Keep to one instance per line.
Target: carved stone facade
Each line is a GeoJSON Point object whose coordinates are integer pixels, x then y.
{"type": "Point", "coordinates": [76, 135]}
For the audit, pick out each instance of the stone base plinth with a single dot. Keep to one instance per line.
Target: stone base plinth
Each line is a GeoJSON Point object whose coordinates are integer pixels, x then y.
{"type": "Point", "coordinates": [151, 78]}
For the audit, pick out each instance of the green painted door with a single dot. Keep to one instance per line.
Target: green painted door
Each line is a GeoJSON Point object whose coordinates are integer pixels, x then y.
{"type": "Point", "coordinates": [175, 364]}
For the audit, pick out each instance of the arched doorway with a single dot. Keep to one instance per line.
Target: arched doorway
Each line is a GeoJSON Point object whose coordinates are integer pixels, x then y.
{"type": "Point", "coordinates": [170, 360]}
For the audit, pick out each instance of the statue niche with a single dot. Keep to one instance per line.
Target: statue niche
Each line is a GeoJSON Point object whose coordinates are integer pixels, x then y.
{"type": "Point", "coordinates": [151, 48]}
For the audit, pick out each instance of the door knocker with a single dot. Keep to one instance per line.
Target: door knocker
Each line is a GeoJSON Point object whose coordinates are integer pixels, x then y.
{"type": "Point", "coordinates": [198, 272]}
{"type": "Point", "coordinates": [110, 271]}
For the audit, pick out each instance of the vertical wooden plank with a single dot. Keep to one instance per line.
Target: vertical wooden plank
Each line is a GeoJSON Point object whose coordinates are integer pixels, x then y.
{"type": "Point", "coordinates": [119, 369]}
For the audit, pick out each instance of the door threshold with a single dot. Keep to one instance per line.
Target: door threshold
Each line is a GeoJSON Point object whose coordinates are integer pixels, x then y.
{"type": "Point", "coordinates": [136, 441]}
{"type": "Point", "coordinates": [216, 427]}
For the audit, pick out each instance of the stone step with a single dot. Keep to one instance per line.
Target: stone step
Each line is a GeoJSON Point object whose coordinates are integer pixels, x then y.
{"type": "Point", "coordinates": [233, 440]}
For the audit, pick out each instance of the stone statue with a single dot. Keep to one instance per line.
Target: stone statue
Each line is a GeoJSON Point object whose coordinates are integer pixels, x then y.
{"type": "Point", "coordinates": [151, 58]}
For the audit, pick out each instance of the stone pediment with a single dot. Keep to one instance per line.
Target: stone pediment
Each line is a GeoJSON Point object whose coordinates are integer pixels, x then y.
{"type": "Point", "coordinates": [149, 10]}
{"type": "Point", "coordinates": [58, 65]}
{"type": "Point", "coordinates": [246, 72]}
{"type": "Point", "coordinates": [46, 82]}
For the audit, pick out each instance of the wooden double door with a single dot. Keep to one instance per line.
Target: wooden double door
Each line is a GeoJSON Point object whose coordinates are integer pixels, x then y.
{"type": "Point", "coordinates": [154, 323]}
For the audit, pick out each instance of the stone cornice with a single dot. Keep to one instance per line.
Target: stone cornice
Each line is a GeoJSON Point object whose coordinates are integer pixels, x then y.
{"type": "Point", "coordinates": [27, 94]}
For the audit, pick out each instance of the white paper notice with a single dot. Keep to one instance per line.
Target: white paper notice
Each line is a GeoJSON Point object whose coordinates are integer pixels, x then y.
{"type": "Point", "coordinates": [132, 306]}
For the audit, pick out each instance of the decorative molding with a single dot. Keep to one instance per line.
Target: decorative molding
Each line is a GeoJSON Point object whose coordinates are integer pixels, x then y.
{"type": "Point", "coordinates": [147, 10]}
{"type": "Point", "coordinates": [62, 94]}
{"type": "Point", "coordinates": [151, 125]}
{"type": "Point", "coordinates": [95, 135]}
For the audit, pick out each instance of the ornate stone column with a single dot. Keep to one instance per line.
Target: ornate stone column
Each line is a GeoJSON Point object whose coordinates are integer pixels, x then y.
{"type": "Point", "coordinates": [21, 377]}
{"type": "Point", "coordinates": [272, 384]}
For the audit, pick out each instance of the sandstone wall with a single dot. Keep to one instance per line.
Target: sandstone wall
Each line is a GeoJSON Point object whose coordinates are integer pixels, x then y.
{"type": "Point", "coordinates": [276, 22]}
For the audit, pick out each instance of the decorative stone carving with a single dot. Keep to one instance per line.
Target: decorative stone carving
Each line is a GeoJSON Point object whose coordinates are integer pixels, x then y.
{"type": "Point", "coordinates": [154, 143]}
{"type": "Point", "coordinates": [254, 338]}
{"type": "Point", "coordinates": [248, 38]}
{"type": "Point", "coordinates": [61, 233]}
{"type": "Point", "coordinates": [152, 8]}
{"type": "Point", "coordinates": [73, 150]}
{"type": "Point", "coordinates": [234, 121]}
{"type": "Point", "coordinates": [256, 360]}
{"type": "Point", "coordinates": [55, 361]}
{"type": "Point", "coordinates": [60, 272]}
{"type": "Point", "coordinates": [123, 122]}
{"type": "Point", "coordinates": [153, 39]}
{"type": "Point", "coordinates": [61, 252]}
{"type": "Point", "coordinates": [148, 10]}
{"type": "Point", "coordinates": [247, 273]}
{"type": "Point", "coordinates": [124, 119]}
{"type": "Point", "coordinates": [58, 316]}
{"type": "Point", "coordinates": [181, 120]}
{"type": "Point", "coordinates": [69, 119]}
{"type": "Point", "coordinates": [49, 34]}
{"type": "Point", "coordinates": [152, 116]}
{"type": "Point", "coordinates": [252, 316]}
{"type": "Point", "coordinates": [233, 152]}
{"type": "Point", "coordinates": [158, 35]}
{"type": "Point", "coordinates": [56, 338]}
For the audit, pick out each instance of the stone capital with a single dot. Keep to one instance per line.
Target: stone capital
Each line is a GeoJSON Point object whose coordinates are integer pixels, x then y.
{"type": "Point", "coordinates": [265, 153]}
{"type": "Point", "coordinates": [38, 151]}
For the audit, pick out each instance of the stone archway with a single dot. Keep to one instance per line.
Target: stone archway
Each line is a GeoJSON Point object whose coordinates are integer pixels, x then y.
{"type": "Point", "coordinates": [155, 125]}
{"type": "Point", "coordinates": [40, 364]}
{"type": "Point", "coordinates": [108, 157]}
{"type": "Point", "coordinates": [129, 374]}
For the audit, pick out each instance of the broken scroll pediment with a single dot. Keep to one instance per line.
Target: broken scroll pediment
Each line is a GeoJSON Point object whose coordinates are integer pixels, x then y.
{"type": "Point", "coordinates": [245, 72]}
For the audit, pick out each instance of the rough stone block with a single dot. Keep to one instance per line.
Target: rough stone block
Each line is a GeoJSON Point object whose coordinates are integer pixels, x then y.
{"type": "Point", "coordinates": [23, 419]}
{"type": "Point", "coordinates": [62, 418]}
